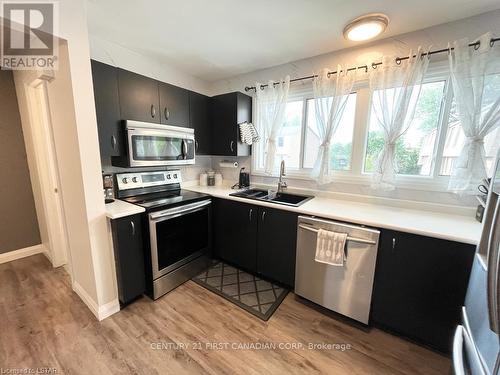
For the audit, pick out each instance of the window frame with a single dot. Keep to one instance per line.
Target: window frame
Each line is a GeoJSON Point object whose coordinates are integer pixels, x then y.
{"type": "Point", "coordinates": [438, 71]}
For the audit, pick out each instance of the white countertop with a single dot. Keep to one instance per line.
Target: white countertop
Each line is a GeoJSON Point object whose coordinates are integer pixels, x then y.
{"type": "Point", "coordinates": [447, 226]}
{"type": "Point", "coordinates": [118, 209]}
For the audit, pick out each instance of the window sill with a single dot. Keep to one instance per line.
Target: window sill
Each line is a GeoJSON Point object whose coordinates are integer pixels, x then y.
{"type": "Point", "coordinates": [421, 183]}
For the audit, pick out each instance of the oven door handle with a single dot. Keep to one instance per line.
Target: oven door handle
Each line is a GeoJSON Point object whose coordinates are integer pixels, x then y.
{"type": "Point", "coordinates": [178, 211]}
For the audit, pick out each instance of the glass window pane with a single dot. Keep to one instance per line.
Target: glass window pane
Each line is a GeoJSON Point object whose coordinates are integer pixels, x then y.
{"type": "Point", "coordinates": [455, 137]}
{"type": "Point", "coordinates": [415, 148]}
{"type": "Point", "coordinates": [341, 144]}
{"type": "Point", "coordinates": [289, 138]}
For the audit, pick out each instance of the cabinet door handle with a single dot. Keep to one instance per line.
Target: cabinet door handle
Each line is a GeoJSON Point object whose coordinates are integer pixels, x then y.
{"type": "Point", "coordinates": [231, 146]}
{"type": "Point", "coordinates": [197, 145]}
{"type": "Point", "coordinates": [250, 215]}
{"type": "Point", "coordinates": [153, 111]}
{"type": "Point", "coordinates": [113, 142]}
{"type": "Point", "coordinates": [166, 112]}
{"type": "Point", "coordinates": [133, 228]}
{"type": "Point", "coordinates": [393, 243]}
{"type": "Point", "coordinates": [263, 215]}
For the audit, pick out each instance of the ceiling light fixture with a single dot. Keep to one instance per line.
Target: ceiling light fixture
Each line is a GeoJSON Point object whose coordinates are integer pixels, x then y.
{"type": "Point", "coordinates": [366, 27]}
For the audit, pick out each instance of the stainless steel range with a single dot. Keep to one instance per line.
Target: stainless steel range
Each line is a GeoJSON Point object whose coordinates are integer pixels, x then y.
{"type": "Point", "coordinates": [178, 222]}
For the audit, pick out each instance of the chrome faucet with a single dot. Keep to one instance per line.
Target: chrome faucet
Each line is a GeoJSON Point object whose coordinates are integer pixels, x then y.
{"type": "Point", "coordinates": [282, 184]}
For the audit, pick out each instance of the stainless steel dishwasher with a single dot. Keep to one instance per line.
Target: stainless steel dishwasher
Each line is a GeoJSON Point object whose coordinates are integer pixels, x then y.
{"type": "Point", "coordinates": [348, 289]}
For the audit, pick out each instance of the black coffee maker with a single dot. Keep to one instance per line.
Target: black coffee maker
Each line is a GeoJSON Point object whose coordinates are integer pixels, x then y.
{"type": "Point", "coordinates": [244, 180]}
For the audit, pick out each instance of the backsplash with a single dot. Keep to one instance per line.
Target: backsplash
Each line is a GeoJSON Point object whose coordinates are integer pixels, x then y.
{"type": "Point", "coordinates": [340, 187]}
{"type": "Point", "coordinates": [205, 163]}
{"type": "Point", "coordinates": [189, 172]}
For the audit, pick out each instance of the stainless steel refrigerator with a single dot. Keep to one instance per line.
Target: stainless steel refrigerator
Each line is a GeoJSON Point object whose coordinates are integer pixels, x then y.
{"type": "Point", "coordinates": [476, 344]}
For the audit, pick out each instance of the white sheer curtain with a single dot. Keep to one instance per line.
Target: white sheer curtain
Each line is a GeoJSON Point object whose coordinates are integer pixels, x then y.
{"type": "Point", "coordinates": [331, 93]}
{"type": "Point", "coordinates": [469, 68]}
{"type": "Point", "coordinates": [395, 90]}
{"type": "Point", "coordinates": [270, 112]}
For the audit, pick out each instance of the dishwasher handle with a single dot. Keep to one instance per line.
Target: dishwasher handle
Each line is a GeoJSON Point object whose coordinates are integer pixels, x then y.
{"type": "Point", "coordinates": [349, 238]}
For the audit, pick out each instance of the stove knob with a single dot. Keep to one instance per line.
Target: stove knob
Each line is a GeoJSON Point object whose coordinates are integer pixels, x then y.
{"type": "Point", "coordinates": [168, 177]}
{"type": "Point", "coordinates": [175, 176]}
{"type": "Point", "coordinates": [134, 179]}
{"type": "Point", "coordinates": [125, 180]}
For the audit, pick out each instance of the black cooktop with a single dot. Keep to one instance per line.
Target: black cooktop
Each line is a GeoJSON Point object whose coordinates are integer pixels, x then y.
{"type": "Point", "coordinates": [165, 199]}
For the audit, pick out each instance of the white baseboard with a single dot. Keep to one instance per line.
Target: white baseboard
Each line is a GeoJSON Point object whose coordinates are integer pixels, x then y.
{"type": "Point", "coordinates": [21, 253]}
{"type": "Point", "coordinates": [100, 312]}
{"type": "Point", "coordinates": [109, 309]}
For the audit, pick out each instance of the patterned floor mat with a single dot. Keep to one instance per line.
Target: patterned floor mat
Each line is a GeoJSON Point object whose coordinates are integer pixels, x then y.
{"type": "Point", "coordinates": [259, 297]}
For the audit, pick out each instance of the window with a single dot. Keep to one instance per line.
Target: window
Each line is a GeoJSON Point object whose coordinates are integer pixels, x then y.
{"type": "Point", "coordinates": [455, 137]}
{"type": "Point", "coordinates": [415, 148]}
{"type": "Point", "coordinates": [290, 134]}
{"type": "Point", "coordinates": [298, 141]}
{"type": "Point", "coordinates": [425, 153]}
{"type": "Point", "coordinates": [341, 145]}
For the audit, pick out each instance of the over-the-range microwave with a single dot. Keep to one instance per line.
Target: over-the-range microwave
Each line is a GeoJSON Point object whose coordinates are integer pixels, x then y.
{"type": "Point", "coordinates": [152, 145]}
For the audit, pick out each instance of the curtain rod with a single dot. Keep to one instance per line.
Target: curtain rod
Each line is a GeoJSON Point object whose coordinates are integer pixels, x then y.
{"type": "Point", "coordinates": [476, 46]}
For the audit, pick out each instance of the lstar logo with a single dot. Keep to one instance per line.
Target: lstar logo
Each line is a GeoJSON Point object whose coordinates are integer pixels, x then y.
{"type": "Point", "coordinates": [28, 30]}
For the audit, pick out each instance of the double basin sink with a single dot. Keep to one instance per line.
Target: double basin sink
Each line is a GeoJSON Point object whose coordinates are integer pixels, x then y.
{"type": "Point", "coordinates": [287, 199]}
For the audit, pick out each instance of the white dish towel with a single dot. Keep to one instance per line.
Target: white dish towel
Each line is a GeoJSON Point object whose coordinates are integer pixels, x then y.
{"type": "Point", "coordinates": [330, 247]}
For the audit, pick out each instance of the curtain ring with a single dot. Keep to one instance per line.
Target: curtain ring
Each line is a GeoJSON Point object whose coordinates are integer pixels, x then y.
{"type": "Point", "coordinates": [366, 68]}
{"type": "Point", "coordinates": [374, 66]}
{"type": "Point", "coordinates": [477, 45]}
{"type": "Point", "coordinates": [398, 61]}
{"type": "Point", "coordinates": [262, 87]}
{"type": "Point", "coordinates": [492, 42]}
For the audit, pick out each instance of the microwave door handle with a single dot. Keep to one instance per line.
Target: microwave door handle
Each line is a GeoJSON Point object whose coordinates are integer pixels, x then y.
{"type": "Point", "coordinates": [184, 149]}
{"type": "Point", "coordinates": [493, 271]}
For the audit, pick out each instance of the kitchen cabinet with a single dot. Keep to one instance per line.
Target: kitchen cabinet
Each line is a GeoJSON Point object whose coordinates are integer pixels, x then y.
{"type": "Point", "coordinates": [129, 257]}
{"type": "Point", "coordinates": [257, 239]}
{"type": "Point", "coordinates": [276, 245]}
{"type": "Point", "coordinates": [174, 105]}
{"type": "Point", "coordinates": [200, 121]}
{"type": "Point", "coordinates": [235, 233]}
{"type": "Point", "coordinates": [139, 97]}
{"type": "Point", "coordinates": [420, 286]}
{"type": "Point", "coordinates": [229, 110]}
{"type": "Point", "coordinates": [107, 105]}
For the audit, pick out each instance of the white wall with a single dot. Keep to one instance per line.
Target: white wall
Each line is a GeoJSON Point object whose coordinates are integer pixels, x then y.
{"type": "Point", "coordinates": [437, 37]}
{"type": "Point", "coordinates": [116, 55]}
{"type": "Point", "coordinates": [72, 104]}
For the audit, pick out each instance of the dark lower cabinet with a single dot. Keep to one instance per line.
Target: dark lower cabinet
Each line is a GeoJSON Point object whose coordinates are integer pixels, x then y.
{"type": "Point", "coordinates": [174, 105]}
{"type": "Point", "coordinates": [129, 257]}
{"type": "Point", "coordinates": [257, 239]}
{"type": "Point", "coordinates": [107, 105]}
{"type": "Point", "coordinates": [200, 121]}
{"type": "Point", "coordinates": [235, 233]}
{"type": "Point", "coordinates": [276, 245]}
{"type": "Point", "coordinates": [139, 97]}
{"type": "Point", "coordinates": [420, 286]}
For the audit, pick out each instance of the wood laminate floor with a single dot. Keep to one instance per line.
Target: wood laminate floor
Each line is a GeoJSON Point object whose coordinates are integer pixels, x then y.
{"type": "Point", "coordinates": [43, 324]}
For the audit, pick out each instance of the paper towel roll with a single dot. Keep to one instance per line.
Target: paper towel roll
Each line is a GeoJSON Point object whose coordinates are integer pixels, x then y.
{"type": "Point", "coordinates": [228, 164]}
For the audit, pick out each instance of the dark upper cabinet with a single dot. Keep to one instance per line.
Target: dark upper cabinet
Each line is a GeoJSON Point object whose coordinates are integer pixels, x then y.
{"type": "Point", "coordinates": [420, 286]}
{"type": "Point", "coordinates": [129, 257]}
{"type": "Point", "coordinates": [200, 121]}
{"type": "Point", "coordinates": [276, 245]}
{"type": "Point", "coordinates": [174, 105]}
{"type": "Point", "coordinates": [107, 105]}
{"type": "Point", "coordinates": [139, 98]}
{"type": "Point", "coordinates": [235, 233]}
{"type": "Point", "coordinates": [229, 110]}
